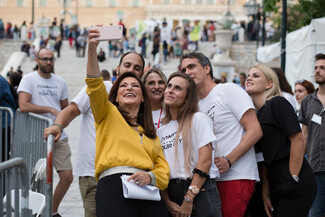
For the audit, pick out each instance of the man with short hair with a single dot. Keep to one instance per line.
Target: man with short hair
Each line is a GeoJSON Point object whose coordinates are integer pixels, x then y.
{"type": "Point", "coordinates": [45, 93]}
{"type": "Point", "coordinates": [85, 163]}
{"type": "Point", "coordinates": [236, 128]}
{"type": "Point", "coordinates": [312, 117]}
{"type": "Point", "coordinates": [242, 80]}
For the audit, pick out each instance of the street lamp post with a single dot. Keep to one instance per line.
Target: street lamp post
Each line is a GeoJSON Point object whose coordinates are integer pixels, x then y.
{"type": "Point", "coordinates": [251, 8]}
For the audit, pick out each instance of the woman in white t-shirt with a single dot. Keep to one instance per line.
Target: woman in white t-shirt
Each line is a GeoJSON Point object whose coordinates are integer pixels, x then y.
{"type": "Point", "coordinates": [155, 82]}
{"type": "Point", "coordinates": [192, 187]}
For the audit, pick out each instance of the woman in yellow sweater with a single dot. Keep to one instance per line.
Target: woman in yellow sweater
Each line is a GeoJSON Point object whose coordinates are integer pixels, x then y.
{"type": "Point", "coordinates": [126, 142]}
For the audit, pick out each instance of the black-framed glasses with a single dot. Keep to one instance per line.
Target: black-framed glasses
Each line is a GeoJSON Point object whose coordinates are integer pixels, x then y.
{"type": "Point", "coordinates": [300, 81]}
{"type": "Point", "coordinates": [45, 59]}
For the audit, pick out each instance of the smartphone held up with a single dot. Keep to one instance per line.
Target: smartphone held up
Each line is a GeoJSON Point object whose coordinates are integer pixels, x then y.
{"type": "Point", "coordinates": [109, 32]}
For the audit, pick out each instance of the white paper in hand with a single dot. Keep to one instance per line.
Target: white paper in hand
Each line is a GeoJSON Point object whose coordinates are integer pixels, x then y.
{"type": "Point", "coordinates": [134, 191]}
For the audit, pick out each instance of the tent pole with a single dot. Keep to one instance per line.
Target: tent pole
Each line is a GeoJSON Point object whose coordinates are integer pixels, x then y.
{"type": "Point", "coordinates": [283, 34]}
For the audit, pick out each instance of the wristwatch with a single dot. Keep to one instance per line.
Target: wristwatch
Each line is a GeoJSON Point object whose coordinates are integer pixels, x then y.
{"type": "Point", "coordinates": [195, 190]}
{"type": "Point", "coordinates": [296, 178]}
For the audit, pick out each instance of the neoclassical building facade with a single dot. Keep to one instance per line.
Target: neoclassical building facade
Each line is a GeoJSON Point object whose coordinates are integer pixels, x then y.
{"type": "Point", "coordinates": [90, 12]}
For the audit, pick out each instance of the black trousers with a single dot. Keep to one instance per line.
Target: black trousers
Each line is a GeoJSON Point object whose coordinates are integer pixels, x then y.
{"type": "Point", "coordinates": [110, 201]}
{"type": "Point", "coordinates": [290, 198]}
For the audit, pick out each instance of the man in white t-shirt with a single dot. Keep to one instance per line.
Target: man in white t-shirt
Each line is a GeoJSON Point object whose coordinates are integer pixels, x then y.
{"type": "Point", "coordinates": [45, 93]}
{"type": "Point", "coordinates": [236, 128]}
{"type": "Point", "coordinates": [85, 163]}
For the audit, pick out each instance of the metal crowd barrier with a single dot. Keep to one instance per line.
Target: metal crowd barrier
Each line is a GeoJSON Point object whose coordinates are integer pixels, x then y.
{"type": "Point", "coordinates": [29, 144]}
{"type": "Point", "coordinates": [15, 171]}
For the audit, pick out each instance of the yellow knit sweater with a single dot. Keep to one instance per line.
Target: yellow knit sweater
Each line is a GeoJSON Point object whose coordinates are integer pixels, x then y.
{"type": "Point", "coordinates": [117, 143]}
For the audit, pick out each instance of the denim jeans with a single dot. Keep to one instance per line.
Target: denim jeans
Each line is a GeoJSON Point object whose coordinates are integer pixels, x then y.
{"type": "Point", "coordinates": [318, 207]}
{"type": "Point", "coordinates": [206, 204]}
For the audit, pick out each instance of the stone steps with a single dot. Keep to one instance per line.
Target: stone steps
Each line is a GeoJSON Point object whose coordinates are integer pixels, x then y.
{"type": "Point", "coordinates": [7, 47]}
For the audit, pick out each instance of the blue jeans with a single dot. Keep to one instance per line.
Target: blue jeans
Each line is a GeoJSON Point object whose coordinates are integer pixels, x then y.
{"type": "Point", "coordinates": [318, 207]}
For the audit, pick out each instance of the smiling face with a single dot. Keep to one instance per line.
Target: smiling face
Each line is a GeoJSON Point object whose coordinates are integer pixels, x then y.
{"type": "Point", "coordinates": [176, 92]}
{"type": "Point", "coordinates": [129, 92]}
{"type": "Point", "coordinates": [300, 93]}
{"type": "Point", "coordinates": [256, 82]}
{"type": "Point", "coordinates": [155, 87]}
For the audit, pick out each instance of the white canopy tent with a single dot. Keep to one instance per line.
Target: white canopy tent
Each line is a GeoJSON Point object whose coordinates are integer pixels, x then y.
{"type": "Point", "coordinates": [301, 47]}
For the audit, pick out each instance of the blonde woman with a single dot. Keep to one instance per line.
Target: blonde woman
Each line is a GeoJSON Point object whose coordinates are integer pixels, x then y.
{"type": "Point", "coordinates": [186, 137]}
{"type": "Point", "coordinates": [289, 185]}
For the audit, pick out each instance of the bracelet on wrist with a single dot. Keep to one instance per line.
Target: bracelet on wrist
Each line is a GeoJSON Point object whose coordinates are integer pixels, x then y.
{"type": "Point", "coordinates": [189, 195]}
{"type": "Point", "coordinates": [59, 125]}
{"type": "Point", "coordinates": [228, 160]}
{"type": "Point", "coordinates": [201, 173]}
{"type": "Point", "coordinates": [188, 199]}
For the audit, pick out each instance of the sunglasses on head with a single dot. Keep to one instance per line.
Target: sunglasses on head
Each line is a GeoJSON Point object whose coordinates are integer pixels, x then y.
{"type": "Point", "coordinates": [300, 81]}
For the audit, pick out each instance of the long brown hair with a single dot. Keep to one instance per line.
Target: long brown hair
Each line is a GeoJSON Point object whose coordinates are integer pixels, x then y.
{"type": "Point", "coordinates": [144, 117]}
{"type": "Point", "coordinates": [284, 84]}
{"type": "Point", "coordinates": [184, 118]}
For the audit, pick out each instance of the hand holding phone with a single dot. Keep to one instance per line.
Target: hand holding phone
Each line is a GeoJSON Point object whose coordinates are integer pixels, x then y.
{"type": "Point", "coordinates": [109, 32]}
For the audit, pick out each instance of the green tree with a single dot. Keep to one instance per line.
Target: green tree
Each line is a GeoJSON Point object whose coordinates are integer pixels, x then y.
{"type": "Point", "coordinates": [298, 15]}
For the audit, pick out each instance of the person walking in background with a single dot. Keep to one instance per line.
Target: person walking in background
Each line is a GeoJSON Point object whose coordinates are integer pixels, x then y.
{"type": "Point", "coordinates": [143, 45]}
{"type": "Point", "coordinates": [165, 51]}
{"type": "Point", "coordinates": [236, 128]}
{"type": "Point", "coordinates": [288, 183]}
{"type": "Point", "coordinates": [81, 41]}
{"type": "Point", "coordinates": [186, 137]}
{"type": "Point", "coordinates": [302, 89]}
{"type": "Point", "coordinates": [286, 89]}
{"type": "Point", "coordinates": [2, 29]}
{"type": "Point", "coordinates": [23, 31]}
{"type": "Point", "coordinates": [155, 45]}
{"type": "Point", "coordinates": [312, 117]}
{"type": "Point", "coordinates": [155, 82]}
{"type": "Point", "coordinates": [132, 42]}
{"type": "Point", "coordinates": [44, 93]}
{"type": "Point", "coordinates": [32, 53]}
{"type": "Point", "coordinates": [58, 44]}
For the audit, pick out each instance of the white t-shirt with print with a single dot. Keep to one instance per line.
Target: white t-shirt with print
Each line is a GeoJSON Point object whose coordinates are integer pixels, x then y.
{"type": "Point", "coordinates": [157, 116]}
{"type": "Point", "coordinates": [45, 92]}
{"type": "Point", "coordinates": [226, 104]}
{"type": "Point", "coordinates": [202, 134]}
{"type": "Point", "coordinates": [85, 161]}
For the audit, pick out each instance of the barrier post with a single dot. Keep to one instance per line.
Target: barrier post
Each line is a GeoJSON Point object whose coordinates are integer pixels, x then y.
{"type": "Point", "coordinates": [19, 165]}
